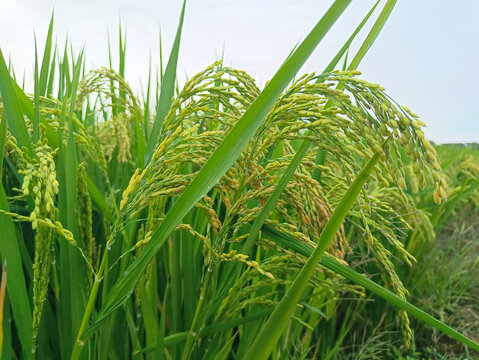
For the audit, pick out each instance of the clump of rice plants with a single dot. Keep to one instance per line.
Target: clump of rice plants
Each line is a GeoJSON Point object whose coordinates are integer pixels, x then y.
{"type": "Point", "coordinates": [218, 225]}
{"type": "Point", "coordinates": [442, 281]}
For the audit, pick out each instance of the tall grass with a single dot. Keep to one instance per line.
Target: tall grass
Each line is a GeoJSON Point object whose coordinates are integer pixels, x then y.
{"type": "Point", "coordinates": [218, 225]}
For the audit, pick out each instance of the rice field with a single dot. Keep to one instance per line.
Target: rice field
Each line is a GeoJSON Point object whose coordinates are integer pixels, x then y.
{"type": "Point", "coordinates": [308, 219]}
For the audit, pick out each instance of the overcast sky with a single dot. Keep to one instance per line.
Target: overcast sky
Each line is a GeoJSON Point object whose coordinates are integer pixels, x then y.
{"type": "Point", "coordinates": [427, 56]}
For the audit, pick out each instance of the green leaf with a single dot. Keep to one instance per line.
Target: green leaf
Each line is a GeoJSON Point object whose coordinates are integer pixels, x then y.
{"type": "Point", "coordinates": [72, 281]}
{"type": "Point", "coordinates": [51, 75]}
{"type": "Point", "coordinates": [167, 90]}
{"type": "Point", "coordinates": [146, 122]}
{"type": "Point", "coordinates": [12, 108]}
{"type": "Point", "coordinates": [16, 287]}
{"type": "Point", "coordinates": [160, 343]}
{"type": "Point", "coordinates": [36, 95]}
{"type": "Point", "coordinates": [226, 349]}
{"type": "Point", "coordinates": [289, 242]}
{"type": "Point", "coordinates": [75, 261]}
{"type": "Point", "coordinates": [28, 110]}
{"type": "Point", "coordinates": [3, 141]}
{"type": "Point", "coordinates": [149, 308]}
{"type": "Point", "coordinates": [332, 65]}
{"type": "Point", "coordinates": [47, 53]}
{"type": "Point", "coordinates": [99, 200]}
{"type": "Point", "coordinates": [373, 34]}
{"type": "Point", "coordinates": [140, 145]}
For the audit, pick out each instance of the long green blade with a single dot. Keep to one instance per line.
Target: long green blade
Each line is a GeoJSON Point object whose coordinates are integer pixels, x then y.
{"type": "Point", "coordinates": [223, 158]}
{"type": "Point", "coordinates": [16, 287]}
{"type": "Point", "coordinates": [332, 64]}
{"type": "Point", "coordinates": [167, 90]}
{"type": "Point", "coordinates": [289, 242]}
{"type": "Point", "coordinates": [71, 280]}
{"type": "Point", "coordinates": [36, 96]}
{"type": "Point", "coordinates": [373, 34]}
{"type": "Point", "coordinates": [47, 53]}
{"type": "Point", "coordinates": [12, 108]}
{"type": "Point", "coordinates": [75, 262]}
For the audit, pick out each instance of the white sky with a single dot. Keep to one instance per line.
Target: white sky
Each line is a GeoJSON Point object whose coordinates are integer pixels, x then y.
{"type": "Point", "coordinates": [427, 56]}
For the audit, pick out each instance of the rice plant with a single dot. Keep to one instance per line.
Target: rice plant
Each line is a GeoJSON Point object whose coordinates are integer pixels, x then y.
{"type": "Point", "coordinates": [219, 223]}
